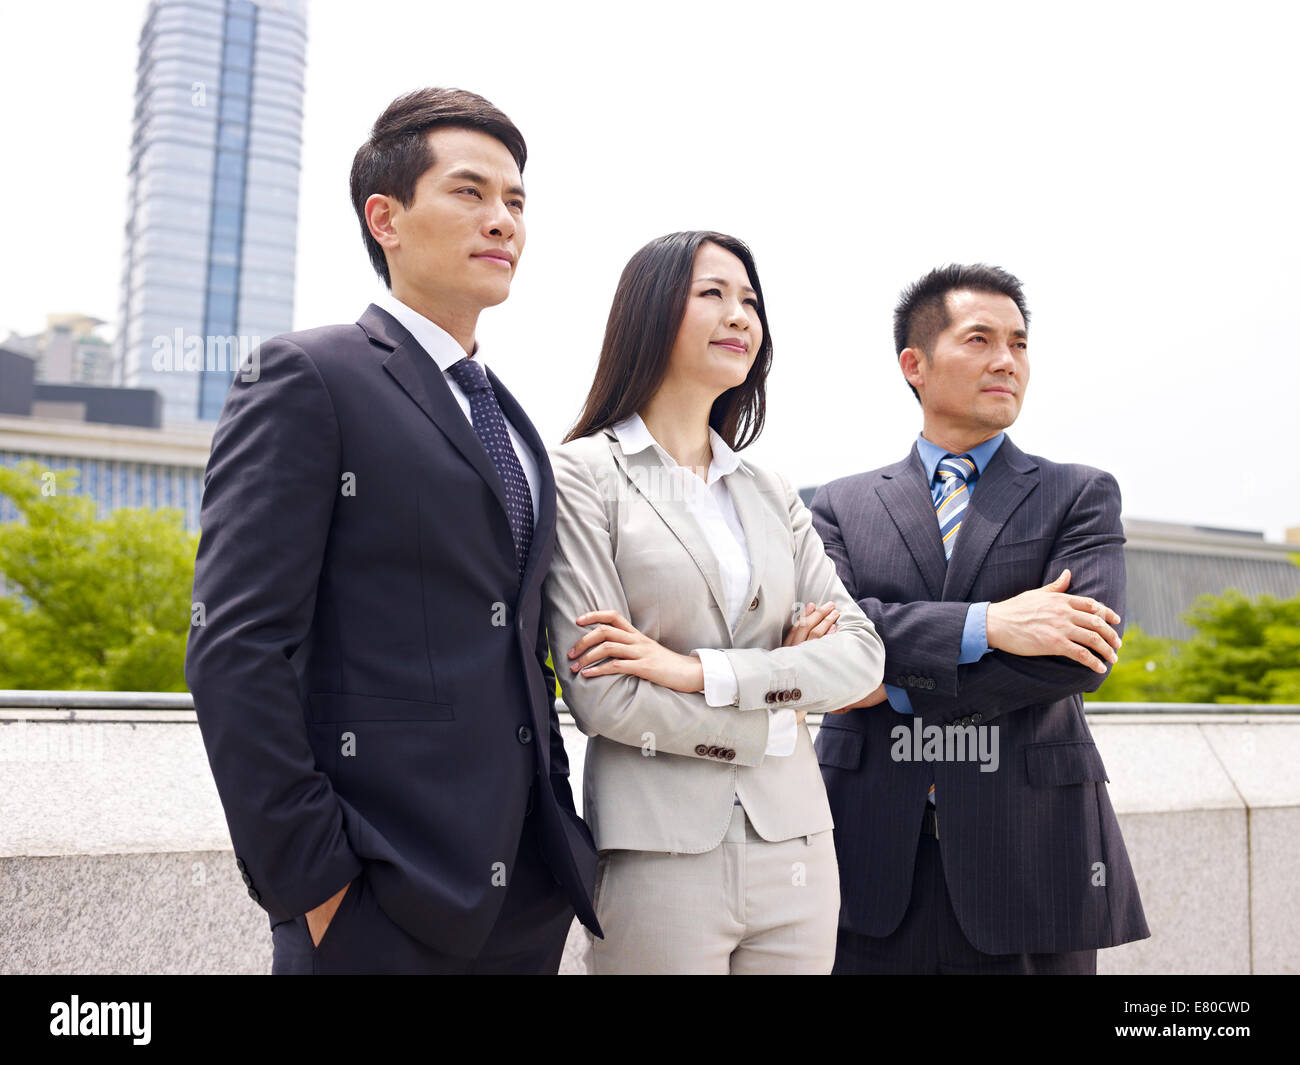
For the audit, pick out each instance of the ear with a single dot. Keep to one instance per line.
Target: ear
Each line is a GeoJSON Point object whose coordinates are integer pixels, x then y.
{"type": "Point", "coordinates": [380, 213]}
{"type": "Point", "coordinates": [912, 362]}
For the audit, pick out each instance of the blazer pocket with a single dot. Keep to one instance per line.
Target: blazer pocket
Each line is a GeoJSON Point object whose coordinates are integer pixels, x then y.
{"type": "Point", "coordinates": [839, 747]}
{"type": "Point", "coordinates": [343, 706]}
{"type": "Point", "coordinates": [1018, 552]}
{"type": "Point", "coordinates": [1073, 762]}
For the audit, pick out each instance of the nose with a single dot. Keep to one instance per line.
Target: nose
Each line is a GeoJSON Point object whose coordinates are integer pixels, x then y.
{"type": "Point", "coordinates": [498, 221]}
{"type": "Point", "coordinates": [738, 318]}
{"type": "Point", "coordinates": [1004, 359]}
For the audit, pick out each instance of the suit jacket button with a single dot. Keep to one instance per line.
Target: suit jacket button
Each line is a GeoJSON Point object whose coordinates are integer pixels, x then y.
{"type": "Point", "coordinates": [977, 718]}
{"type": "Point", "coordinates": [770, 697]}
{"type": "Point", "coordinates": [525, 734]}
{"type": "Point", "coordinates": [701, 750]}
{"type": "Point", "coordinates": [713, 752]}
{"type": "Point", "coordinates": [728, 754]}
{"type": "Point", "coordinates": [252, 894]}
{"type": "Point", "coordinates": [796, 694]}
{"type": "Point", "coordinates": [754, 603]}
{"type": "Point", "coordinates": [930, 684]}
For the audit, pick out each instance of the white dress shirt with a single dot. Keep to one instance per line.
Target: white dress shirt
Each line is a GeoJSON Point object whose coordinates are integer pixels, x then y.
{"type": "Point", "coordinates": [445, 350]}
{"type": "Point", "coordinates": [711, 505]}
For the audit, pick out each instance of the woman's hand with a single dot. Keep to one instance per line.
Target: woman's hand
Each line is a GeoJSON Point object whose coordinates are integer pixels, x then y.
{"type": "Point", "coordinates": [812, 624]}
{"type": "Point", "coordinates": [625, 649]}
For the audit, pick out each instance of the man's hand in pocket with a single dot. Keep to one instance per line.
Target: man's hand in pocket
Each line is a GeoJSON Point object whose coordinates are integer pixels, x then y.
{"type": "Point", "coordinates": [318, 920]}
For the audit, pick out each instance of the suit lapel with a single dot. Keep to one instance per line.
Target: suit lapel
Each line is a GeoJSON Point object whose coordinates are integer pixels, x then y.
{"type": "Point", "coordinates": [749, 506]}
{"type": "Point", "coordinates": [419, 377]}
{"type": "Point", "coordinates": [906, 496]}
{"type": "Point", "coordinates": [653, 481]}
{"type": "Point", "coordinates": [1010, 477]}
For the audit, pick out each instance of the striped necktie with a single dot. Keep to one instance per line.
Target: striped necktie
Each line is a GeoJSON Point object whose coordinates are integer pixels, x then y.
{"type": "Point", "coordinates": [954, 474]}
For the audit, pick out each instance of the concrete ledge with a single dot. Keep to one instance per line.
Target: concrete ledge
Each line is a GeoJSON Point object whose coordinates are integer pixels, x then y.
{"type": "Point", "coordinates": [115, 858]}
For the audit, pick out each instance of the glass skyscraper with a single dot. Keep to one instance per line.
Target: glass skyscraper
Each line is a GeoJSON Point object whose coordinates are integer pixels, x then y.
{"type": "Point", "coordinates": [212, 210]}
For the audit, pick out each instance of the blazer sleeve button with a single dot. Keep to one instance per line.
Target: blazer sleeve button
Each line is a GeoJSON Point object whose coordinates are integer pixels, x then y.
{"type": "Point", "coordinates": [252, 894]}
{"type": "Point", "coordinates": [796, 694]}
{"type": "Point", "coordinates": [770, 697]}
{"type": "Point", "coordinates": [701, 750]}
{"type": "Point", "coordinates": [977, 718]}
{"type": "Point", "coordinates": [728, 754]}
{"type": "Point", "coordinates": [713, 752]}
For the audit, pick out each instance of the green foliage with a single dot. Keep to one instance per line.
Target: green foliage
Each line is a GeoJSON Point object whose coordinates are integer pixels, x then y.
{"type": "Point", "coordinates": [101, 604]}
{"type": "Point", "coordinates": [1242, 651]}
{"type": "Point", "coordinates": [1144, 673]}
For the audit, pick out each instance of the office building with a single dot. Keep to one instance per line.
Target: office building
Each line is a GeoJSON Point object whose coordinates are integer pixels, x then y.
{"type": "Point", "coordinates": [211, 228]}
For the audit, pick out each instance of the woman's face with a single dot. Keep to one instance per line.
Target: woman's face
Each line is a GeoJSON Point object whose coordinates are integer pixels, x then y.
{"type": "Point", "coordinates": [720, 332]}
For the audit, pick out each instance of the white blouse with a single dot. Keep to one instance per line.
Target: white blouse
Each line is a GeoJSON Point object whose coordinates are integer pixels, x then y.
{"type": "Point", "coordinates": [711, 505]}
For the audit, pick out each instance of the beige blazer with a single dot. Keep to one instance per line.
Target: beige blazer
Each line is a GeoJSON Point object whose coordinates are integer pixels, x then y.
{"type": "Point", "coordinates": [663, 767]}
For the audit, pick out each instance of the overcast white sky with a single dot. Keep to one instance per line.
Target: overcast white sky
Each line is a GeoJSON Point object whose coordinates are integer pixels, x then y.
{"type": "Point", "coordinates": [1135, 164]}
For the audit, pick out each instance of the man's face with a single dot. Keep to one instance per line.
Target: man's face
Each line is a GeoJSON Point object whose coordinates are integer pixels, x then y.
{"type": "Point", "coordinates": [459, 241]}
{"type": "Point", "coordinates": [973, 382]}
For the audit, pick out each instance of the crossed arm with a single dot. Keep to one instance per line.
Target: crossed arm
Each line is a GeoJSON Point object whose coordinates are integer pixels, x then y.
{"type": "Point", "coordinates": [1047, 642]}
{"type": "Point", "coordinates": [630, 694]}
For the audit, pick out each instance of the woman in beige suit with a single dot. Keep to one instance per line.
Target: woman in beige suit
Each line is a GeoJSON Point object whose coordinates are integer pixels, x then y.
{"type": "Point", "coordinates": [682, 596]}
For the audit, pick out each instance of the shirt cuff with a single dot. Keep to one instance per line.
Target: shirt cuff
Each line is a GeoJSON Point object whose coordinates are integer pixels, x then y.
{"type": "Point", "coordinates": [974, 634]}
{"type": "Point", "coordinates": [720, 684]}
{"type": "Point", "coordinates": [898, 699]}
{"type": "Point", "coordinates": [782, 733]}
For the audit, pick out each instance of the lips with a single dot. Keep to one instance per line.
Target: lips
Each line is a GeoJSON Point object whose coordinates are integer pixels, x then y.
{"type": "Point", "coordinates": [737, 346]}
{"type": "Point", "coordinates": [503, 257]}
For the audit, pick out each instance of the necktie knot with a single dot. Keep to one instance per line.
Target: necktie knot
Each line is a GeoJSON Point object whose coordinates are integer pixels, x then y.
{"type": "Point", "coordinates": [469, 375]}
{"type": "Point", "coordinates": [961, 467]}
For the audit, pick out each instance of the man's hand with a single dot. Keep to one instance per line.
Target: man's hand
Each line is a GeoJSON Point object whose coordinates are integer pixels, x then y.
{"type": "Point", "coordinates": [874, 699]}
{"type": "Point", "coordinates": [615, 646]}
{"type": "Point", "coordinates": [319, 919]}
{"type": "Point", "coordinates": [1047, 621]}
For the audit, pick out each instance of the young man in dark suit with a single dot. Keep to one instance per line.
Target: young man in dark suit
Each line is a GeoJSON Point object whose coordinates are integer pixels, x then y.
{"type": "Point", "coordinates": [378, 518]}
{"type": "Point", "coordinates": [972, 824]}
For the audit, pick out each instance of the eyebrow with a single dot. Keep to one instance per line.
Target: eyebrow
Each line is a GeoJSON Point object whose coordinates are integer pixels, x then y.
{"type": "Point", "coordinates": [724, 281]}
{"type": "Point", "coordinates": [465, 174]}
{"type": "Point", "coordinates": [980, 327]}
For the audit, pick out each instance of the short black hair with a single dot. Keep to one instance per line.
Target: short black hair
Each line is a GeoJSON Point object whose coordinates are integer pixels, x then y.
{"type": "Point", "coordinates": [398, 153]}
{"type": "Point", "coordinates": [922, 311]}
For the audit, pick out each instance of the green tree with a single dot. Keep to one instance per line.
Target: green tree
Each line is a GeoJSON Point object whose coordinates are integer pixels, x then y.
{"type": "Point", "coordinates": [100, 604]}
{"type": "Point", "coordinates": [1243, 651]}
{"type": "Point", "coordinates": [1145, 672]}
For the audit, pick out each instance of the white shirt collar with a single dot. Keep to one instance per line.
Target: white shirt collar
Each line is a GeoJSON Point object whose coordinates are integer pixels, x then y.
{"type": "Point", "coordinates": [633, 436]}
{"type": "Point", "coordinates": [442, 347]}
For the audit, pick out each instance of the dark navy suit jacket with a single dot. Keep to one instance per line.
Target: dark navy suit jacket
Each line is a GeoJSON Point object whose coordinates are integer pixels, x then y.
{"type": "Point", "coordinates": [1032, 853]}
{"type": "Point", "coordinates": [369, 675]}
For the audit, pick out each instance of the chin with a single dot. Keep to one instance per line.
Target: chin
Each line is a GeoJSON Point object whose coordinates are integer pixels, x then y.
{"type": "Point", "coordinates": [491, 296]}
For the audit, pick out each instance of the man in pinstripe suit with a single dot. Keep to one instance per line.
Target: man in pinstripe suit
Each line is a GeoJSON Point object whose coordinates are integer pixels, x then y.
{"type": "Point", "coordinates": [993, 578]}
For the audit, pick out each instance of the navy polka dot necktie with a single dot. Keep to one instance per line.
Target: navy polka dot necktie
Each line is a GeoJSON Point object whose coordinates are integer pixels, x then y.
{"type": "Point", "coordinates": [490, 424]}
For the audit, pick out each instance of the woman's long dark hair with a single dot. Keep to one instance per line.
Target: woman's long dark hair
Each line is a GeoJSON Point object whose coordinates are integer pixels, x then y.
{"type": "Point", "coordinates": [643, 322]}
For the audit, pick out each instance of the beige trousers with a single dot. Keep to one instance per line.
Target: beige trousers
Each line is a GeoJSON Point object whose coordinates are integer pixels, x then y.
{"type": "Point", "coordinates": [747, 906]}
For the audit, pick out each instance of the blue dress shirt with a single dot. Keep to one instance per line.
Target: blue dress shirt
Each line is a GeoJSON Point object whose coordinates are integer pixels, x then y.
{"type": "Point", "coordinates": [974, 634]}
